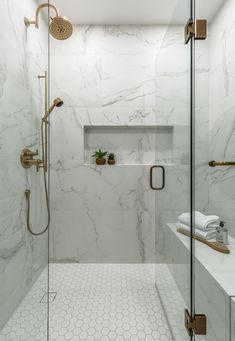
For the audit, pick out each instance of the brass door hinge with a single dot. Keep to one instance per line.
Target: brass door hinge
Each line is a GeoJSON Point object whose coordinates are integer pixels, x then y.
{"type": "Point", "coordinates": [196, 325]}
{"type": "Point", "coordinates": [196, 29]}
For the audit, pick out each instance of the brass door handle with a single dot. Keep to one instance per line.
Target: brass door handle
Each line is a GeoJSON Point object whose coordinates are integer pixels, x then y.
{"type": "Point", "coordinates": [163, 178]}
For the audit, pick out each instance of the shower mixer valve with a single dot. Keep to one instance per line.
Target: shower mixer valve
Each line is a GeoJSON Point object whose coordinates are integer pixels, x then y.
{"type": "Point", "coordinates": [27, 159]}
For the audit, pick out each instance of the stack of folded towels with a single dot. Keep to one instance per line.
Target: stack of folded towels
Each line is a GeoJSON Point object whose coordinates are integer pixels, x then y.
{"type": "Point", "coordinates": [205, 225]}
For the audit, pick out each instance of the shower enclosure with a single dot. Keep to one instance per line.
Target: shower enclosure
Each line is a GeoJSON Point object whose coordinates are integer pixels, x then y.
{"type": "Point", "coordinates": [190, 168]}
{"type": "Point", "coordinates": [198, 79]}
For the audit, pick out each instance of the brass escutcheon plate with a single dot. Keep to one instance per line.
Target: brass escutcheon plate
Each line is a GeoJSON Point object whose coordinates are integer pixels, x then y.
{"type": "Point", "coordinates": [25, 157]}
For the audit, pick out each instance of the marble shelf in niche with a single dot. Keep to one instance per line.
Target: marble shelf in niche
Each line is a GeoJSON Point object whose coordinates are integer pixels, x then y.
{"type": "Point", "coordinates": [165, 164]}
{"type": "Point", "coordinates": [132, 145]}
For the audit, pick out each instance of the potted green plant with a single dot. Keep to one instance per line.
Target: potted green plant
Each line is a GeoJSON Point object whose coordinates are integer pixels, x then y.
{"type": "Point", "coordinates": [99, 155]}
{"type": "Point", "coordinates": [111, 158]}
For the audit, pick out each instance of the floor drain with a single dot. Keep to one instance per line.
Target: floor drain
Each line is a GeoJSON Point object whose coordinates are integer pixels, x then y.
{"type": "Point", "coordinates": [48, 297]}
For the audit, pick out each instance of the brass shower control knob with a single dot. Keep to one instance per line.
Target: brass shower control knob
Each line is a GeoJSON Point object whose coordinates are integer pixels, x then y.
{"type": "Point", "coordinates": [29, 153]}
{"type": "Point", "coordinates": [27, 159]}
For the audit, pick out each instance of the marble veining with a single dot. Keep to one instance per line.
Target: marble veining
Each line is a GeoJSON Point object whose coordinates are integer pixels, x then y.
{"type": "Point", "coordinates": [115, 77]}
{"type": "Point", "coordinates": [222, 133]}
{"type": "Point", "coordinates": [23, 57]}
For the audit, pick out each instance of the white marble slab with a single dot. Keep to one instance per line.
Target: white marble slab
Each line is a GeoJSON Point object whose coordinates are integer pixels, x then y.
{"type": "Point", "coordinates": [232, 318]}
{"type": "Point", "coordinates": [221, 113]}
{"type": "Point", "coordinates": [220, 266]}
{"type": "Point", "coordinates": [23, 57]}
{"type": "Point", "coordinates": [115, 76]}
{"type": "Point", "coordinates": [210, 298]}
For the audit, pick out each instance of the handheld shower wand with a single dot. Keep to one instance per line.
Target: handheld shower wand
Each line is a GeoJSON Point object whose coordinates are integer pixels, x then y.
{"type": "Point", "coordinates": [56, 103]}
{"type": "Point", "coordinates": [44, 162]}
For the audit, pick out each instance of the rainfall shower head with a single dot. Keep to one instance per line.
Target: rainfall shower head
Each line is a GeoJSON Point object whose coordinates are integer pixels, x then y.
{"type": "Point", "coordinates": [60, 27]}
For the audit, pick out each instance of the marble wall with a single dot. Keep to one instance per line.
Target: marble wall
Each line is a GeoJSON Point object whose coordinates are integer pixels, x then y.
{"type": "Point", "coordinates": [108, 79]}
{"type": "Point", "coordinates": [222, 113]}
{"type": "Point", "coordinates": [172, 105]}
{"type": "Point", "coordinates": [232, 322]}
{"type": "Point", "coordinates": [23, 56]}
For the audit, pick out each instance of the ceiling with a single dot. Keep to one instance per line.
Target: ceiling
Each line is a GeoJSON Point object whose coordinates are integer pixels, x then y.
{"type": "Point", "coordinates": [142, 12]}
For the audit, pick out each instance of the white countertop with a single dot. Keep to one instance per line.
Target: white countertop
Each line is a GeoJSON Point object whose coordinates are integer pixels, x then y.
{"type": "Point", "coordinates": [220, 266]}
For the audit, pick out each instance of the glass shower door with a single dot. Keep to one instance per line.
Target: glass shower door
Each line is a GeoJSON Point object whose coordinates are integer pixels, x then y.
{"type": "Point", "coordinates": [23, 257]}
{"type": "Point", "coordinates": [172, 178]}
{"type": "Point", "coordinates": [214, 164]}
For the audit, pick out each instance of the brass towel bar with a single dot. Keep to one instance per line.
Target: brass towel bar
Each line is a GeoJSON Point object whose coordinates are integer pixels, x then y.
{"type": "Point", "coordinates": [221, 163]}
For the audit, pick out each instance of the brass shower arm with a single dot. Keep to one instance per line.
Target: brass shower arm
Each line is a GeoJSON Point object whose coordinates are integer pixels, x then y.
{"type": "Point", "coordinates": [59, 26]}
{"type": "Point", "coordinates": [36, 21]}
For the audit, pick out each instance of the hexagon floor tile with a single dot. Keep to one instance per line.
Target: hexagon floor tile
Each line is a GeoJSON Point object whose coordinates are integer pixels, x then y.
{"type": "Point", "coordinates": [100, 302]}
{"type": "Point", "coordinates": [105, 302]}
{"type": "Point", "coordinates": [29, 321]}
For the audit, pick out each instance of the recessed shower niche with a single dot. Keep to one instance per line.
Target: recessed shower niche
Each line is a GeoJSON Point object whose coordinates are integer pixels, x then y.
{"type": "Point", "coordinates": [130, 144]}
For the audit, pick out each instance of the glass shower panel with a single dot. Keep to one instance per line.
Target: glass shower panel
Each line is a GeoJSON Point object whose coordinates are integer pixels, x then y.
{"type": "Point", "coordinates": [23, 257]}
{"type": "Point", "coordinates": [173, 102]}
{"type": "Point", "coordinates": [215, 141]}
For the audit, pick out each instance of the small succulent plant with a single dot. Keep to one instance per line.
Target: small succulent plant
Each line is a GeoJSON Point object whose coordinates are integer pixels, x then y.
{"type": "Point", "coordinates": [111, 156]}
{"type": "Point", "coordinates": [99, 154]}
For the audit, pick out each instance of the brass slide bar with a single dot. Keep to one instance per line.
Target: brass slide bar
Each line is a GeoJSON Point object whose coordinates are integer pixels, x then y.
{"type": "Point", "coordinates": [45, 142]}
{"type": "Point", "coordinates": [221, 163]}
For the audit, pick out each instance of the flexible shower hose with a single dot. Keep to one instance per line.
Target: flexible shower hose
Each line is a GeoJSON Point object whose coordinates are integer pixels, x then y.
{"type": "Point", "coordinates": [27, 192]}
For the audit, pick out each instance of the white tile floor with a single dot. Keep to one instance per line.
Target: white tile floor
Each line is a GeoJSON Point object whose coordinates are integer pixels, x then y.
{"type": "Point", "coordinates": [105, 302]}
{"type": "Point", "coordinates": [29, 321]}
{"type": "Point", "coordinates": [94, 302]}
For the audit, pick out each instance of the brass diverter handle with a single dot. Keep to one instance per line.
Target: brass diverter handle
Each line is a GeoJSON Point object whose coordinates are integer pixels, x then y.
{"type": "Point", "coordinates": [27, 159]}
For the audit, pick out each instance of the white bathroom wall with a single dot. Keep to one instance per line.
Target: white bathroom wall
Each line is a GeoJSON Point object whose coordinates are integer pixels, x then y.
{"type": "Point", "coordinates": [108, 79]}
{"type": "Point", "coordinates": [202, 104]}
{"type": "Point", "coordinates": [232, 322]}
{"type": "Point", "coordinates": [172, 105]}
{"type": "Point", "coordinates": [23, 56]}
{"type": "Point", "coordinates": [222, 113]}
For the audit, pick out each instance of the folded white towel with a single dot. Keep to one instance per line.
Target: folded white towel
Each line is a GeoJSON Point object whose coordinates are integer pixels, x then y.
{"type": "Point", "coordinates": [210, 234]}
{"type": "Point", "coordinates": [202, 222]}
